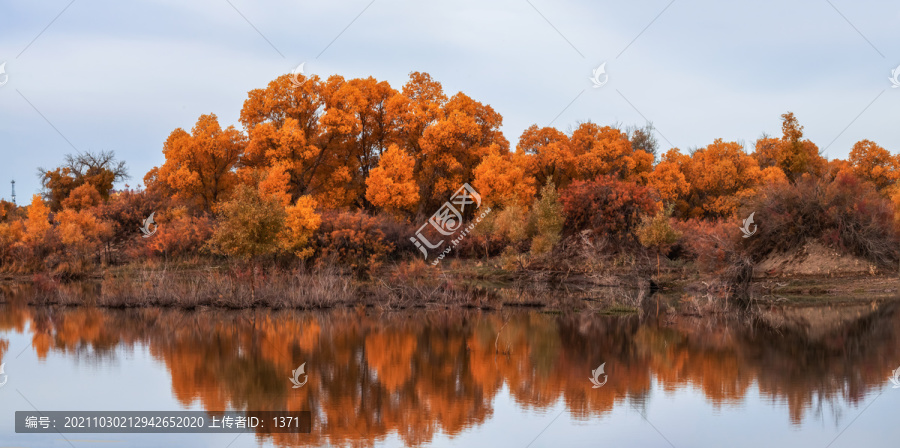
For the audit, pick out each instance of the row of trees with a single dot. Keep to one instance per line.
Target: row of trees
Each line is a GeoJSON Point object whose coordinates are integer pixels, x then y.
{"type": "Point", "coordinates": [342, 169]}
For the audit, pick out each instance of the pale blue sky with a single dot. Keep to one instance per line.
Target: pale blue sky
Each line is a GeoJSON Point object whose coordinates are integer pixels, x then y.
{"type": "Point", "coordinates": [111, 75]}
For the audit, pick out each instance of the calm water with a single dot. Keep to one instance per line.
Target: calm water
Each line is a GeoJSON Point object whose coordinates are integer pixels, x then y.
{"type": "Point", "coordinates": [788, 377]}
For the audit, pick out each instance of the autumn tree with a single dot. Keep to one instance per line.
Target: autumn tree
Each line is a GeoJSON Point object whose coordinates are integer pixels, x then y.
{"type": "Point", "coordinates": [328, 135]}
{"type": "Point", "coordinates": [362, 107]}
{"type": "Point", "coordinates": [667, 178]}
{"type": "Point", "coordinates": [199, 167]}
{"type": "Point", "coordinates": [464, 133]}
{"type": "Point", "coordinates": [720, 175]}
{"type": "Point", "coordinates": [501, 181]}
{"type": "Point", "coordinates": [250, 226]}
{"type": "Point", "coordinates": [83, 197]}
{"type": "Point", "coordinates": [82, 232]}
{"type": "Point", "coordinates": [391, 185]}
{"type": "Point", "coordinates": [547, 219]}
{"type": "Point", "coordinates": [100, 170]}
{"type": "Point", "coordinates": [607, 151]}
{"type": "Point", "coordinates": [38, 223]}
{"type": "Point", "coordinates": [546, 152]}
{"type": "Point", "coordinates": [792, 154]}
{"type": "Point", "coordinates": [655, 232]}
{"type": "Point", "coordinates": [875, 164]}
{"type": "Point", "coordinates": [418, 106]}
{"type": "Point", "coordinates": [301, 223]}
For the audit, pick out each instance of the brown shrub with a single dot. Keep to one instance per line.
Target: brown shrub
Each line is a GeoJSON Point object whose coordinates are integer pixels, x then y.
{"type": "Point", "coordinates": [608, 207]}
{"type": "Point", "coordinates": [711, 243]}
{"type": "Point", "coordinates": [361, 242]}
{"type": "Point", "coordinates": [840, 211]}
{"type": "Point", "coordinates": [179, 234]}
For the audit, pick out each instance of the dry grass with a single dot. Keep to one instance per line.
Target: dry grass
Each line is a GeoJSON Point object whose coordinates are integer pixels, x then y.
{"type": "Point", "coordinates": [210, 287]}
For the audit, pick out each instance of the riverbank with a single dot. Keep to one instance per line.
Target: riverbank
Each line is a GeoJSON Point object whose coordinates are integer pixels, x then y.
{"type": "Point", "coordinates": [458, 284]}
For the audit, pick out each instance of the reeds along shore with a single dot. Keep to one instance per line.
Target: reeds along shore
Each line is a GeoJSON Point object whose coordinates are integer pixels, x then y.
{"type": "Point", "coordinates": [405, 285]}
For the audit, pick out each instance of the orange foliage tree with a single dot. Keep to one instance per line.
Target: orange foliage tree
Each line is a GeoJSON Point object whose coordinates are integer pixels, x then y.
{"type": "Point", "coordinates": [875, 164]}
{"type": "Point", "coordinates": [38, 224]}
{"type": "Point", "coordinates": [546, 152]}
{"type": "Point", "coordinates": [199, 166]}
{"type": "Point", "coordinates": [608, 151]}
{"type": "Point", "coordinates": [98, 169]}
{"type": "Point", "coordinates": [83, 197]}
{"type": "Point", "coordinates": [391, 185]}
{"type": "Point", "coordinates": [501, 181]}
{"type": "Point", "coordinates": [453, 146]}
{"type": "Point", "coordinates": [82, 232]}
{"type": "Point", "coordinates": [719, 177]}
{"type": "Point", "coordinates": [793, 155]}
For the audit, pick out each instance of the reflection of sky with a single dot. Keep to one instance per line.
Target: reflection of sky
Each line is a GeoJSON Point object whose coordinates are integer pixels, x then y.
{"type": "Point", "coordinates": [134, 380]}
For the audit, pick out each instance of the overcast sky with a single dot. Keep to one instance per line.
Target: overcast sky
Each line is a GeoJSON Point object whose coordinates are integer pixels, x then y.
{"type": "Point", "coordinates": [89, 75]}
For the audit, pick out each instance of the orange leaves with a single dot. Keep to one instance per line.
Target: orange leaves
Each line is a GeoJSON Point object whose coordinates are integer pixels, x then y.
{"type": "Point", "coordinates": [773, 176]}
{"type": "Point", "coordinates": [199, 166]}
{"type": "Point", "coordinates": [501, 181]}
{"type": "Point", "coordinates": [607, 151]}
{"type": "Point", "coordinates": [546, 152]}
{"type": "Point", "coordinates": [719, 175]}
{"type": "Point", "coordinates": [83, 197]}
{"type": "Point", "coordinates": [38, 223]}
{"type": "Point", "coordinates": [301, 224]}
{"type": "Point", "coordinates": [391, 185]}
{"type": "Point", "coordinates": [82, 230]}
{"type": "Point", "coordinates": [275, 183]}
{"type": "Point", "coordinates": [179, 233]}
{"type": "Point", "coordinates": [875, 164]}
{"type": "Point", "coordinates": [589, 152]}
{"type": "Point", "coordinates": [791, 154]}
{"type": "Point", "coordinates": [453, 145]}
{"type": "Point", "coordinates": [669, 181]}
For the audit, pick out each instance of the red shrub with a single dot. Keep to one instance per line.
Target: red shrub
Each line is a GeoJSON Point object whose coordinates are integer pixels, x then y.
{"type": "Point", "coordinates": [179, 234]}
{"type": "Point", "coordinates": [608, 207]}
{"type": "Point", "coordinates": [711, 243]}
{"type": "Point", "coordinates": [842, 211]}
{"type": "Point", "coordinates": [359, 241]}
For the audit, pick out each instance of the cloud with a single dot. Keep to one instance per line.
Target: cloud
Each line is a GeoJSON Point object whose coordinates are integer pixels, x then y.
{"type": "Point", "coordinates": [121, 76]}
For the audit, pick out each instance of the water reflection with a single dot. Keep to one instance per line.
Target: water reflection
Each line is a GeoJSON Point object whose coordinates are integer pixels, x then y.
{"type": "Point", "coordinates": [415, 374]}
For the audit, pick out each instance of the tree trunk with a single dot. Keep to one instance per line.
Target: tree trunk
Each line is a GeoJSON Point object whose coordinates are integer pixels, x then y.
{"type": "Point", "coordinates": [253, 283]}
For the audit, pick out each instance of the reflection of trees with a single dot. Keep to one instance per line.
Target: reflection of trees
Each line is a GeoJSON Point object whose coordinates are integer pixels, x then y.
{"type": "Point", "coordinates": [422, 372]}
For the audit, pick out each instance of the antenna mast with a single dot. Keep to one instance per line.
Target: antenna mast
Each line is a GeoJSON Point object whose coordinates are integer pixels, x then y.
{"type": "Point", "coordinates": [13, 191]}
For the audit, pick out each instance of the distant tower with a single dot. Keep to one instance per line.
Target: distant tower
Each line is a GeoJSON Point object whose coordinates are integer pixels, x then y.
{"type": "Point", "coordinates": [14, 191]}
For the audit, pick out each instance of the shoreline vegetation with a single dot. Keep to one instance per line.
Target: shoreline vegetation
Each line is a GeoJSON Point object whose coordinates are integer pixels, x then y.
{"type": "Point", "coordinates": [349, 192]}
{"type": "Point", "coordinates": [464, 284]}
